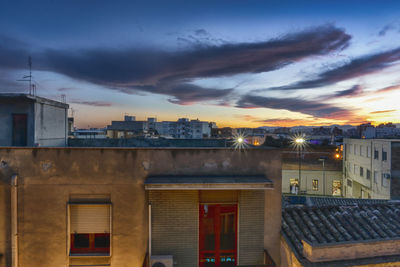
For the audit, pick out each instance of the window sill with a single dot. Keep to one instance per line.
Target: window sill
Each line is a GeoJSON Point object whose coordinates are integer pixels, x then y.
{"type": "Point", "coordinates": [89, 255]}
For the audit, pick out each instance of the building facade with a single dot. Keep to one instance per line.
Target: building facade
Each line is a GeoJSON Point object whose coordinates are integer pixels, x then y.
{"type": "Point", "coordinates": [320, 174]}
{"type": "Point", "coordinates": [27, 120]}
{"type": "Point", "coordinates": [115, 207]}
{"type": "Point", "coordinates": [371, 168]}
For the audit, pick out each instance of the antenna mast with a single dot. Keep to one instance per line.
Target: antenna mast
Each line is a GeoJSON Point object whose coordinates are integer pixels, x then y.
{"type": "Point", "coordinates": [28, 78]}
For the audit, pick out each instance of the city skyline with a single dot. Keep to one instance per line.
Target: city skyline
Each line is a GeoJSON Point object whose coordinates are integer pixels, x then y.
{"type": "Point", "coordinates": [238, 64]}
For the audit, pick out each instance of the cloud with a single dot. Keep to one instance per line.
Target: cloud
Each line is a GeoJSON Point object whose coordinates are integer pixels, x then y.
{"type": "Point", "coordinates": [314, 108]}
{"type": "Point", "coordinates": [353, 91]}
{"type": "Point", "coordinates": [171, 72]}
{"type": "Point", "coordinates": [388, 89]}
{"type": "Point", "coordinates": [383, 111]}
{"type": "Point", "coordinates": [92, 103]}
{"type": "Point", "coordinates": [355, 68]}
{"type": "Point", "coordinates": [386, 28]}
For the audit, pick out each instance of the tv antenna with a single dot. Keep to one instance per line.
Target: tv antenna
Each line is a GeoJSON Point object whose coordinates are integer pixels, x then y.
{"type": "Point", "coordinates": [28, 78]}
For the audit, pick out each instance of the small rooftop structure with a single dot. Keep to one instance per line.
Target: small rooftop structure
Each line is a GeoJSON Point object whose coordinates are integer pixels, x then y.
{"type": "Point", "coordinates": [29, 120]}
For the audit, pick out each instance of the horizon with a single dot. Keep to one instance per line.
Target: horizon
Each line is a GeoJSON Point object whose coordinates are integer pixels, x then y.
{"type": "Point", "coordinates": [253, 64]}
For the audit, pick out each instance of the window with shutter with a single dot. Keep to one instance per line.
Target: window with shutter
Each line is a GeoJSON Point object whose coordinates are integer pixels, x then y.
{"type": "Point", "coordinates": [90, 229]}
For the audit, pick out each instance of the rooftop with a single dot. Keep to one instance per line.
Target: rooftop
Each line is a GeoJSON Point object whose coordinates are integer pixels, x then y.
{"type": "Point", "coordinates": [33, 98]}
{"type": "Point", "coordinates": [338, 222]}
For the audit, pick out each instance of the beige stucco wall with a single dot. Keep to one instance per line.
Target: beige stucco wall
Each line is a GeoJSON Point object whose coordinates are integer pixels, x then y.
{"type": "Point", "coordinates": [49, 176]}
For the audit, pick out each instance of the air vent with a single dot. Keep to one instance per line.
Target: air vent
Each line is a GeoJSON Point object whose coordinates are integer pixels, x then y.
{"type": "Point", "coordinates": [161, 261]}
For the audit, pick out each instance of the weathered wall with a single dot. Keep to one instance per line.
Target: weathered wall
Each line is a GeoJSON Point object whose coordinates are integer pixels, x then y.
{"type": "Point", "coordinates": [51, 125]}
{"type": "Point", "coordinates": [49, 176]}
{"type": "Point", "coordinates": [395, 175]}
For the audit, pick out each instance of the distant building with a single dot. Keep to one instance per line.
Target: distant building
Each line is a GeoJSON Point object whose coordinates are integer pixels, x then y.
{"type": "Point", "coordinates": [184, 129]}
{"type": "Point", "coordinates": [90, 133]}
{"type": "Point", "coordinates": [128, 128]}
{"type": "Point", "coordinates": [321, 174]}
{"type": "Point", "coordinates": [225, 132]}
{"type": "Point", "coordinates": [28, 120]}
{"type": "Point", "coordinates": [371, 168]}
{"type": "Point", "coordinates": [333, 232]}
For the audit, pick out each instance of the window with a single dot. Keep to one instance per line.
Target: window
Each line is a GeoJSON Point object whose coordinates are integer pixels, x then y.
{"type": "Point", "coordinates": [361, 150]}
{"type": "Point", "coordinates": [376, 177]}
{"type": "Point", "coordinates": [368, 174]}
{"type": "Point", "coordinates": [90, 229]}
{"type": "Point", "coordinates": [337, 188]}
{"type": "Point", "coordinates": [385, 181]}
{"type": "Point", "coordinates": [384, 155]}
{"type": "Point", "coordinates": [368, 152]}
{"type": "Point", "coordinates": [376, 154]}
{"type": "Point", "coordinates": [349, 183]}
{"type": "Point", "coordinates": [355, 149]}
{"type": "Point", "coordinates": [361, 171]}
{"type": "Point", "coordinates": [294, 186]}
{"type": "Point", "coordinates": [315, 184]}
{"type": "Point", "coordinates": [355, 169]}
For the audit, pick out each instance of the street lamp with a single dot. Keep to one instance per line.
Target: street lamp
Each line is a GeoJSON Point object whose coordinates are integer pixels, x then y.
{"type": "Point", "coordinates": [299, 142]}
{"type": "Point", "coordinates": [323, 172]}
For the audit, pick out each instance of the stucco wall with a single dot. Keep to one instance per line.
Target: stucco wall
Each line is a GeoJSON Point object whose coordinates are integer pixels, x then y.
{"type": "Point", "coordinates": [51, 125]}
{"type": "Point", "coordinates": [49, 176]}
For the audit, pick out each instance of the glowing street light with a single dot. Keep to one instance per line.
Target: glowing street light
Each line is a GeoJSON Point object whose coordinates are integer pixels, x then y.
{"type": "Point", "coordinates": [239, 141]}
{"type": "Point", "coordinates": [299, 142]}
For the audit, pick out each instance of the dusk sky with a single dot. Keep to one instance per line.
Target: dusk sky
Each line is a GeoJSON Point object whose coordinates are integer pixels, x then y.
{"type": "Point", "coordinates": [238, 63]}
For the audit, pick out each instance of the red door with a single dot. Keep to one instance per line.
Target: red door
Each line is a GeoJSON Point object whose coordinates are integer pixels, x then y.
{"type": "Point", "coordinates": [218, 235]}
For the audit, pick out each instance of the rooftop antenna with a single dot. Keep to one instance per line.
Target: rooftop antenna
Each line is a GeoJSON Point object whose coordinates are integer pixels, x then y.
{"type": "Point", "coordinates": [63, 98]}
{"type": "Point", "coordinates": [28, 78]}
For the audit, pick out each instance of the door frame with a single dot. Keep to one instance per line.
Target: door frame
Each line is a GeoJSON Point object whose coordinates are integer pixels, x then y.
{"type": "Point", "coordinates": [217, 231]}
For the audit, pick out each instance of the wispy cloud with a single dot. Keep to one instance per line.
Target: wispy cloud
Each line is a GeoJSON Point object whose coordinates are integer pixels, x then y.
{"type": "Point", "coordinates": [92, 103]}
{"type": "Point", "coordinates": [383, 111]}
{"type": "Point", "coordinates": [355, 68]}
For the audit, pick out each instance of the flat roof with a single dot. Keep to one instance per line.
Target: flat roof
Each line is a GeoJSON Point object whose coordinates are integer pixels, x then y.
{"type": "Point", "coordinates": [35, 99]}
{"type": "Point", "coordinates": [208, 182]}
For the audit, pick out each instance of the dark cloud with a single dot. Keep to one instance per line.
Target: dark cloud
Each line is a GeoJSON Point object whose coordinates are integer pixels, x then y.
{"type": "Point", "coordinates": [170, 72]}
{"type": "Point", "coordinates": [356, 90]}
{"type": "Point", "coordinates": [355, 68]}
{"type": "Point", "coordinates": [386, 28]}
{"type": "Point", "coordinates": [92, 103]}
{"type": "Point", "coordinates": [309, 107]}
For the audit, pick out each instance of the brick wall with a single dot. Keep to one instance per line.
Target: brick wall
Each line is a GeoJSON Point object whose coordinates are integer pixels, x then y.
{"type": "Point", "coordinates": [251, 227]}
{"type": "Point", "coordinates": [175, 225]}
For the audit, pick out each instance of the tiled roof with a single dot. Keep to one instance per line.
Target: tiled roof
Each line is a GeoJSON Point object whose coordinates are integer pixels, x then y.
{"type": "Point", "coordinates": [327, 224]}
{"type": "Point", "coordinates": [290, 200]}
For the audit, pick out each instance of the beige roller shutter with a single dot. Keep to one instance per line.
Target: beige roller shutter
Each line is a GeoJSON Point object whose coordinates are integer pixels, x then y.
{"type": "Point", "coordinates": [87, 218]}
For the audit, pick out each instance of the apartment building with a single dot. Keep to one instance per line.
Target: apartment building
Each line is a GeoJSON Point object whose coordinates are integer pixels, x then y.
{"type": "Point", "coordinates": [371, 168]}
{"type": "Point", "coordinates": [134, 207]}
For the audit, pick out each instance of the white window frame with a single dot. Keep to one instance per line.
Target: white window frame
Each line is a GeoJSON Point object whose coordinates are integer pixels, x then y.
{"type": "Point", "coordinates": [69, 229]}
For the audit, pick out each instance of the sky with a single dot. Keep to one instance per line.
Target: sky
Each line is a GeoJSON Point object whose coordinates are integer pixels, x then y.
{"type": "Point", "coordinates": [237, 63]}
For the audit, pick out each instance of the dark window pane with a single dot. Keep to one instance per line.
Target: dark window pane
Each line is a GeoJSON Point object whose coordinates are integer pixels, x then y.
{"type": "Point", "coordinates": [102, 241]}
{"type": "Point", "coordinates": [81, 241]}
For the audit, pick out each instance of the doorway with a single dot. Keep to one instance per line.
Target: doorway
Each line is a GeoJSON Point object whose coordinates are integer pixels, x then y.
{"type": "Point", "coordinates": [218, 235]}
{"type": "Point", "coordinates": [19, 129]}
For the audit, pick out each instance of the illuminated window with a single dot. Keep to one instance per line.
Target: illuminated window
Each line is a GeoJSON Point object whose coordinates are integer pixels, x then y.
{"type": "Point", "coordinates": [90, 229]}
{"type": "Point", "coordinates": [294, 185]}
{"type": "Point", "coordinates": [315, 185]}
{"type": "Point", "coordinates": [337, 187]}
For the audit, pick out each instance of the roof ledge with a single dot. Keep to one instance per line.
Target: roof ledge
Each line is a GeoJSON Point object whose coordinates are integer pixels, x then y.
{"type": "Point", "coordinates": [350, 250]}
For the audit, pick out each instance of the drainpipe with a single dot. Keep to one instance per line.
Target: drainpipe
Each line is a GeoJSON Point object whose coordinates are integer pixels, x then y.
{"type": "Point", "coordinates": [14, 220]}
{"type": "Point", "coordinates": [149, 233]}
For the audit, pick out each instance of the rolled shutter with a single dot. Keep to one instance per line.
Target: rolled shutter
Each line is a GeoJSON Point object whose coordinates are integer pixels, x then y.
{"type": "Point", "coordinates": [90, 218]}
